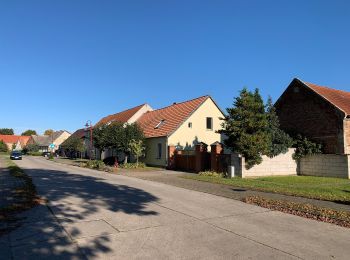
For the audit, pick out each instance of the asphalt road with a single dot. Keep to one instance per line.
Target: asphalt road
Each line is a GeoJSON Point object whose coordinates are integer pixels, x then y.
{"type": "Point", "coordinates": [100, 215]}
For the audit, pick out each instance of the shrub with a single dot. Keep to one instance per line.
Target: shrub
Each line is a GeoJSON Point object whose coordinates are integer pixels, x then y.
{"type": "Point", "coordinates": [132, 165]}
{"type": "Point", "coordinates": [35, 153]}
{"type": "Point", "coordinates": [305, 147]}
{"type": "Point", "coordinates": [212, 174]}
{"type": "Point", "coordinates": [95, 164]}
{"type": "Point", "coordinates": [3, 147]}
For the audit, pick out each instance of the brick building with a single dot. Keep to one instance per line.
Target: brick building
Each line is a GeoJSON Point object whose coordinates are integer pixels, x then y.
{"type": "Point", "coordinates": [320, 113]}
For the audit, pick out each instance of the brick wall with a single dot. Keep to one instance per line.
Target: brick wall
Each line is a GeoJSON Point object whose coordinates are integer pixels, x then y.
{"type": "Point", "coordinates": [301, 110]}
{"type": "Point", "coordinates": [328, 165]}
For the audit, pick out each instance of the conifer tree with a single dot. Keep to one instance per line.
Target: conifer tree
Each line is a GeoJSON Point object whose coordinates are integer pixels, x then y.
{"type": "Point", "coordinates": [279, 141]}
{"type": "Point", "coordinates": [245, 127]}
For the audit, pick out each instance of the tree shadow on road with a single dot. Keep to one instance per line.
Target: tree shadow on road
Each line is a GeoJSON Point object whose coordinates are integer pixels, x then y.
{"type": "Point", "coordinates": [74, 198]}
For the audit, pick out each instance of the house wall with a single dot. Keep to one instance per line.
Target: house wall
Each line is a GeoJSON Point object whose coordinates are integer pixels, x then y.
{"type": "Point", "coordinates": [188, 137]}
{"type": "Point", "coordinates": [152, 151]}
{"type": "Point", "coordinates": [327, 165]}
{"type": "Point", "coordinates": [63, 137]}
{"type": "Point", "coordinates": [346, 124]}
{"type": "Point", "coordinates": [300, 110]}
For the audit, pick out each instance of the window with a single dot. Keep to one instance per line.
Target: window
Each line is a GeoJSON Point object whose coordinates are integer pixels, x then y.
{"type": "Point", "coordinates": [162, 122]}
{"type": "Point", "coordinates": [159, 151]}
{"type": "Point", "coordinates": [189, 124]}
{"type": "Point", "coordinates": [209, 123]}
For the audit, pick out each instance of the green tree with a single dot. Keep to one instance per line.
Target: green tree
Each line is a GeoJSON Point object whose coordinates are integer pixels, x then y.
{"type": "Point", "coordinates": [48, 132]}
{"type": "Point", "coordinates": [131, 132]}
{"type": "Point", "coordinates": [136, 148]}
{"type": "Point", "coordinates": [245, 127]}
{"type": "Point", "coordinates": [29, 132]}
{"type": "Point", "coordinates": [117, 136]}
{"type": "Point", "coordinates": [279, 141]}
{"type": "Point", "coordinates": [73, 145]}
{"type": "Point", "coordinates": [30, 148]}
{"type": "Point", "coordinates": [100, 138]}
{"type": "Point", "coordinates": [3, 147]}
{"type": "Point", "coordinates": [6, 131]}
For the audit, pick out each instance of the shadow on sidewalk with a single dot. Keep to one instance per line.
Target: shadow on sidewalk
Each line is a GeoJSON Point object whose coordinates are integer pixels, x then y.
{"type": "Point", "coordinates": [74, 198]}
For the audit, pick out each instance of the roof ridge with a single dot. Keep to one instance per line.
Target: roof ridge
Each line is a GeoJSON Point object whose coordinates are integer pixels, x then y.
{"type": "Point", "coordinates": [178, 103]}
{"type": "Point", "coordinates": [125, 110]}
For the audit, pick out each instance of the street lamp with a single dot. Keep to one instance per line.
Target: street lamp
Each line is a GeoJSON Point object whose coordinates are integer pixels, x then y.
{"type": "Point", "coordinates": [88, 126]}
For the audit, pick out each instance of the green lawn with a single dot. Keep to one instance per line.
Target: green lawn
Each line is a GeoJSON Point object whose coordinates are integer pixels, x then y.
{"type": "Point", "coordinates": [333, 189]}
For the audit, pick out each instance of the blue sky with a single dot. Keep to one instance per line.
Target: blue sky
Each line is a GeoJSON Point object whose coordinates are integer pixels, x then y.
{"type": "Point", "coordinates": [65, 62]}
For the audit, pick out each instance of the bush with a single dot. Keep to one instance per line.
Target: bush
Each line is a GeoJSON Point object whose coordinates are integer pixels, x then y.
{"type": "Point", "coordinates": [95, 164]}
{"type": "Point", "coordinates": [132, 165]}
{"type": "Point", "coordinates": [305, 147]}
{"type": "Point", "coordinates": [3, 147]}
{"type": "Point", "coordinates": [212, 174]}
{"type": "Point", "coordinates": [51, 156]}
{"type": "Point", "coordinates": [34, 153]}
{"type": "Point", "coordinates": [109, 160]}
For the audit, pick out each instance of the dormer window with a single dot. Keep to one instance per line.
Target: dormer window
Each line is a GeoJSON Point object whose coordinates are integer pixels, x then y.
{"type": "Point", "coordinates": [162, 122]}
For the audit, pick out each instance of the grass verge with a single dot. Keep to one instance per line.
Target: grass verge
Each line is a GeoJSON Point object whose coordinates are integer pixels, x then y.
{"type": "Point", "coordinates": [26, 196]}
{"type": "Point", "coordinates": [321, 188]}
{"type": "Point", "coordinates": [341, 218]}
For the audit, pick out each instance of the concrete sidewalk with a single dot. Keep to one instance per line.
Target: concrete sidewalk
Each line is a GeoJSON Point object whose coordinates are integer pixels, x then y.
{"type": "Point", "coordinates": [35, 228]}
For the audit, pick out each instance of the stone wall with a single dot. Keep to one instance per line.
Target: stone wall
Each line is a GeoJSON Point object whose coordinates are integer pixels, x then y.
{"type": "Point", "coordinates": [325, 165]}
{"type": "Point", "coordinates": [328, 165]}
{"type": "Point", "coordinates": [282, 164]}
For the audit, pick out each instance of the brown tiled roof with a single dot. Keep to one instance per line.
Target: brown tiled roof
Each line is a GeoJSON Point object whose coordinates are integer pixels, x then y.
{"type": "Point", "coordinates": [339, 98]}
{"type": "Point", "coordinates": [80, 133]}
{"type": "Point", "coordinates": [123, 116]}
{"type": "Point", "coordinates": [173, 116]}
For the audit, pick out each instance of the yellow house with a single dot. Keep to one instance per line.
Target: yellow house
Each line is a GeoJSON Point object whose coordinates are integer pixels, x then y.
{"type": "Point", "coordinates": [182, 125]}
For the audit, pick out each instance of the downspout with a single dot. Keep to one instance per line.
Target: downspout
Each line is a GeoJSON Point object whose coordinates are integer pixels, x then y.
{"type": "Point", "coordinates": [166, 151]}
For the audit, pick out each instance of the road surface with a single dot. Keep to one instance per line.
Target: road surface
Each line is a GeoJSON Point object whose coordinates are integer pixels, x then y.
{"type": "Point", "coordinates": [96, 215]}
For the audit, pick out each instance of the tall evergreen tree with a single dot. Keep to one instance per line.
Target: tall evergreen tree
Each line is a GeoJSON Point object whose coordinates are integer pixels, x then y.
{"type": "Point", "coordinates": [279, 141]}
{"type": "Point", "coordinates": [245, 127]}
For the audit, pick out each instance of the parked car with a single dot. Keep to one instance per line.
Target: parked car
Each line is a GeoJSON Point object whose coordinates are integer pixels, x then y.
{"type": "Point", "coordinates": [46, 154]}
{"type": "Point", "coordinates": [16, 155]}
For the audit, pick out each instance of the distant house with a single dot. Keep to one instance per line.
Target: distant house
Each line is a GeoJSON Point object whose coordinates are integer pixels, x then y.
{"type": "Point", "coordinates": [56, 138]}
{"type": "Point", "coordinates": [320, 113]}
{"type": "Point", "coordinates": [127, 116]}
{"type": "Point", "coordinates": [182, 125]}
{"type": "Point", "coordinates": [15, 142]}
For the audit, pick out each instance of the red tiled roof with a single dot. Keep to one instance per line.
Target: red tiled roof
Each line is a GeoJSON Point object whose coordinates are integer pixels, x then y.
{"type": "Point", "coordinates": [339, 98]}
{"type": "Point", "coordinates": [15, 138]}
{"type": "Point", "coordinates": [123, 116]}
{"type": "Point", "coordinates": [173, 117]}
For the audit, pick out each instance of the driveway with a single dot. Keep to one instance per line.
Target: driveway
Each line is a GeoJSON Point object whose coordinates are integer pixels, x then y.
{"type": "Point", "coordinates": [100, 215]}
